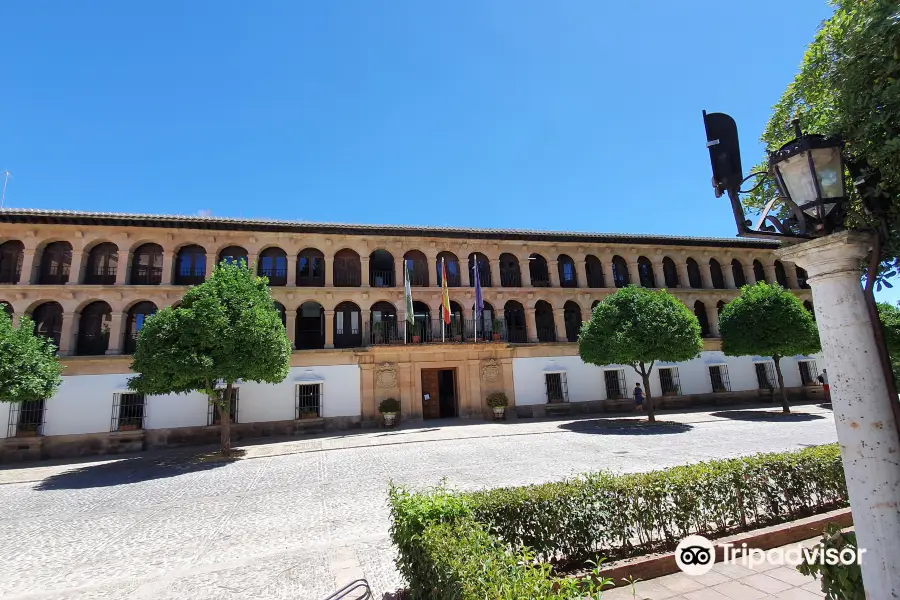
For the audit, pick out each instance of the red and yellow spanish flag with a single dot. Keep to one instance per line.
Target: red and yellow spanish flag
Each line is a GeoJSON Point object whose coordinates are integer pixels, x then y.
{"type": "Point", "coordinates": [445, 301]}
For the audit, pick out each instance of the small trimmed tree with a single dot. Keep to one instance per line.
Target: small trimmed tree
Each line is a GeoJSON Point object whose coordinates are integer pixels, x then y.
{"type": "Point", "coordinates": [638, 327]}
{"type": "Point", "coordinates": [226, 329]}
{"type": "Point", "coordinates": [29, 369]}
{"type": "Point", "coordinates": [766, 320]}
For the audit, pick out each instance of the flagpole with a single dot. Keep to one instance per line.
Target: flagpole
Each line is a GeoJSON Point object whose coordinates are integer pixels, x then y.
{"type": "Point", "coordinates": [405, 301]}
{"type": "Point", "coordinates": [443, 283]}
{"type": "Point", "coordinates": [476, 301]}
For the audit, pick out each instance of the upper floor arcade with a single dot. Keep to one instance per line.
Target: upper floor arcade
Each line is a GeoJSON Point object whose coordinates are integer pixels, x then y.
{"type": "Point", "coordinates": [59, 248]}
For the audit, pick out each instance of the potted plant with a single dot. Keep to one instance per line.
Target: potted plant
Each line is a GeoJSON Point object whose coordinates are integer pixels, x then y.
{"type": "Point", "coordinates": [495, 331]}
{"type": "Point", "coordinates": [389, 408]}
{"type": "Point", "coordinates": [416, 336]}
{"type": "Point", "coordinates": [498, 402]}
{"type": "Point", "coordinates": [378, 333]}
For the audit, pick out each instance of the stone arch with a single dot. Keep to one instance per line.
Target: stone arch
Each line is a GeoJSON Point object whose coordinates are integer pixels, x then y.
{"type": "Point", "coordinates": [232, 255]}
{"type": "Point", "coordinates": [484, 269]}
{"type": "Point", "coordinates": [48, 320]}
{"type": "Point", "coordinates": [347, 325]}
{"type": "Point", "coordinates": [759, 273]}
{"type": "Point", "coordinates": [702, 318]}
{"type": "Point", "coordinates": [12, 254]}
{"type": "Point", "coordinates": [670, 273]}
{"type": "Point", "coordinates": [510, 271]}
{"type": "Point", "coordinates": [347, 268]}
{"type": "Point", "coordinates": [544, 321]}
{"type": "Point", "coordinates": [621, 277]}
{"type": "Point", "coordinates": [454, 269]}
{"type": "Point", "coordinates": [539, 271]}
{"type": "Point", "coordinates": [309, 326]}
{"type": "Point", "coordinates": [594, 270]}
{"type": "Point", "coordinates": [693, 272]}
{"type": "Point", "coordinates": [135, 317]}
{"type": "Point", "coordinates": [737, 271]}
{"type": "Point", "coordinates": [417, 264]}
{"type": "Point", "coordinates": [514, 315]}
{"type": "Point", "coordinates": [572, 318]}
{"type": "Point", "coordinates": [55, 263]}
{"type": "Point", "coordinates": [568, 275]}
{"type": "Point", "coordinates": [311, 266]}
{"type": "Point", "coordinates": [646, 276]}
{"type": "Point", "coordinates": [147, 264]}
{"type": "Point", "coordinates": [93, 329]}
{"type": "Point", "coordinates": [271, 263]}
{"type": "Point", "coordinates": [381, 269]}
{"type": "Point", "coordinates": [102, 264]}
{"type": "Point", "coordinates": [190, 265]}
{"type": "Point", "coordinates": [781, 274]}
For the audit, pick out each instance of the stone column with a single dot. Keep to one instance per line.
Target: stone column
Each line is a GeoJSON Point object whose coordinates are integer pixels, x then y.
{"type": "Point", "coordinates": [684, 280]}
{"type": "Point", "coordinates": [69, 333]}
{"type": "Point", "coordinates": [705, 274]}
{"type": "Point", "coordinates": [398, 271]}
{"type": "Point", "coordinates": [530, 325]}
{"type": "Point", "coordinates": [115, 333]}
{"type": "Point", "coordinates": [122, 268]}
{"type": "Point", "coordinates": [168, 260]}
{"type": "Point", "coordinates": [749, 274]}
{"type": "Point", "coordinates": [329, 329]}
{"type": "Point", "coordinates": [364, 271]}
{"type": "Point", "coordinates": [863, 411]}
{"type": "Point", "coordinates": [78, 260]}
{"type": "Point", "coordinates": [15, 320]}
{"type": "Point", "coordinates": [712, 315]}
{"type": "Point", "coordinates": [581, 272]}
{"type": "Point", "coordinates": [27, 266]}
{"type": "Point", "coordinates": [728, 273]}
{"type": "Point", "coordinates": [553, 268]}
{"type": "Point", "coordinates": [253, 263]}
{"type": "Point", "coordinates": [769, 270]}
{"type": "Point", "coordinates": [211, 258]}
{"type": "Point", "coordinates": [328, 266]}
{"type": "Point", "coordinates": [468, 275]}
{"type": "Point", "coordinates": [525, 271]}
{"type": "Point", "coordinates": [634, 273]}
{"type": "Point", "coordinates": [292, 271]}
{"type": "Point", "coordinates": [790, 271]}
{"type": "Point", "coordinates": [559, 320]}
{"type": "Point", "coordinates": [290, 326]}
{"type": "Point", "coordinates": [495, 272]}
{"type": "Point", "coordinates": [659, 273]}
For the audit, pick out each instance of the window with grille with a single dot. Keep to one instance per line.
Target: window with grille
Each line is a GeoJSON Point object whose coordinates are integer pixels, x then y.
{"type": "Point", "coordinates": [669, 382]}
{"type": "Point", "coordinates": [808, 372]}
{"type": "Point", "coordinates": [718, 376]}
{"type": "Point", "coordinates": [128, 412]}
{"type": "Point", "coordinates": [615, 383]}
{"type": "Point", "coordinates": [308, 398]}
{"type": "Point", "coordinates": [557, 391]}
{"type": "Point", "coordinates": [26, 419]}
{"type": "Point", "coordinates": [213, 417]}
{"type": "Point", "coordinates": [765, 375]}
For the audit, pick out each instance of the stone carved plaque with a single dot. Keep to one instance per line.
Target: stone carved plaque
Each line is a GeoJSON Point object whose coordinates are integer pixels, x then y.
{"type": "Point", "coordinates": [386, 375]}
{"type": "Point", "coordinates": [491, 370]}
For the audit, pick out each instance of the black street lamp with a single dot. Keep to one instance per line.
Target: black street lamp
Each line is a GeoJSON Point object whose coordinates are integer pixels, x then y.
{"type": "Point", "coordinates": [809, 174]}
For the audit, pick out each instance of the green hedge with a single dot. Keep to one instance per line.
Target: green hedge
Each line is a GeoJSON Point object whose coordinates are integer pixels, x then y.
{"type": "Point", "coordinates": [444, 538]}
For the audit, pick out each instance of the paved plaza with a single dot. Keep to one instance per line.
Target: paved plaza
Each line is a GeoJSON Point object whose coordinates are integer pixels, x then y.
{"type": "Point", "coordinates": [294, 519]}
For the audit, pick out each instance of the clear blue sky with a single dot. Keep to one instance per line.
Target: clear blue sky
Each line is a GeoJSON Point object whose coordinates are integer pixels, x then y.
{"type": "Point", "coordinates": [577, 115]}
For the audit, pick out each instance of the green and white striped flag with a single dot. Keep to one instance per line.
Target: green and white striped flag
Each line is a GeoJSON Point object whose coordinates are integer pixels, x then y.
{"type": "Point", "coordinates": [407, 292]}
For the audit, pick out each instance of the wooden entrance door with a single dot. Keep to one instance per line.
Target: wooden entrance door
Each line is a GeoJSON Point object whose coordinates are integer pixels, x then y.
{"type": "Point", "coordinates": [431, 406]}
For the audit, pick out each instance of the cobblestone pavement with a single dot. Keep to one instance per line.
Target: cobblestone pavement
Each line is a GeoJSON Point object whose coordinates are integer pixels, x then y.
{"type": "Point", "coordinates": [295, 519]}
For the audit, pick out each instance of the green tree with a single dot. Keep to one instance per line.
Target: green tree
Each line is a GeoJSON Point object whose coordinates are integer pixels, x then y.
{"type": "Point", "coordinates": [29, 369]}
{"type": "Point", "coordinates": [637, 327]}
{"type": "Point", "coordinates": [766, 320]}
{"type": "Point", "coordinates": [890, 320]}
{"type": "Point", "coordinates": [226, 329]}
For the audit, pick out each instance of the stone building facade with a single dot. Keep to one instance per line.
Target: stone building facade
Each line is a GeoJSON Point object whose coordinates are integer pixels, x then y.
{"type": "Point", "coordinates": [89, 280]}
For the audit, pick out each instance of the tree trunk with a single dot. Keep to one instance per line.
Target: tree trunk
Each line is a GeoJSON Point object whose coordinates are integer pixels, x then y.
{"type": "Point", "coordinates": [225, 421]}
{"type": "Point", "coordinates": [884, 358]}
{"type": "Point", "coordinates": [785, 407]}
{"type": "Point", "coordinates": [648, 399]}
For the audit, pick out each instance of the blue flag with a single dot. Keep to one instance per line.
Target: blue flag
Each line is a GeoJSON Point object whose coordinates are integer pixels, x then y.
{"type": "Point", "coordinates": [479, 301]}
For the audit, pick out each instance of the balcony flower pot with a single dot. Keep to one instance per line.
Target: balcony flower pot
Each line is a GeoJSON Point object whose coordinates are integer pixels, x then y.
{"type": "Point", "coordinates": [498, 403]}
{"type": "Point", "coordinates": [389, 408]}
{"type": "Point", "coordinates": [457, 338]}
{"type": "Point", "coordinates": [416, 339]}
{"type": "Point", "coordinates": [495, 336]}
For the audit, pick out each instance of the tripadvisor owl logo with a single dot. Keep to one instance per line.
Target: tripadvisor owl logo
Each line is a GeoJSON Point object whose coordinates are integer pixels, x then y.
{"type": "Point", "coordinates": [695, 555]}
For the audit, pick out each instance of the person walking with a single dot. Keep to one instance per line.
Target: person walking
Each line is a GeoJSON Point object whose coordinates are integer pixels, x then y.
{"type": "Point", "coordinates": [638, 398]}
{"type": "Point", "coordinates": [823, 379]}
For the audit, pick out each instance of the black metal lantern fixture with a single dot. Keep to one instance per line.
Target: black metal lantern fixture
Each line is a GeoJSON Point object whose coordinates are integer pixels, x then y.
{"type": "Point", "coordinates": [808, 171]}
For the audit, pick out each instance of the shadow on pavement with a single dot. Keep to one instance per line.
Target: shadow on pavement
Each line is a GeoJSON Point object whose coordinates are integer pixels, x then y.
{"type": "Point", "coordinates": [129, 470]}
{"type": "Point", "coordinates": [767, 415]}
{"type": "Point", "coordinates": [627, 427]}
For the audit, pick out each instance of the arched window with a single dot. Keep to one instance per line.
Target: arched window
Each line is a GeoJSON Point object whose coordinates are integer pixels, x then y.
{"type": "Point", "coordinates": [567, 276]}
{"type": "Point", "coordinates": [346, 271]}
{"type": "Point", "coordinates": [456, 329]}
{"type": "Point", "coordinates": [48, 321]}
{"type": "Point", "coordinates": [147, 265]}
{"type": "Point", "coordinates": [670, 272]}
{"type": "Point", "coordinates": [56, 260]}
{"type": "Point", "coordinates": [702, 318]}
{"type": "Point", "coordinates": [758, 272]}
{"type": "Point", "coordinates": [417, 265]}
{"type": "Point", "coordinates": [7, 308]}
{"type": "Point", "coordinates": [484, 269]}
{"type": "Point", "coordinates": [572, 314]}
{"type": "Point", "coordinates": [645, 273]}
{"type": "Point", "coordinates": [233, 255]}
{"type": "Point", "coordinates": [594, 270]}
{"type": "Point", "coordinates": [309, 329]}
{"type": "Point", "coordinates": [282, 313]}
{"type": "Point", "coordinates": [383, 320]}
{"type": "Point", "coordinates": [540, 275]}
{"type": "Point", "coordinates": [693, 270]}
{"type": "Point", "coordinates": [11, 256]}
{"type": "Point", "coordinates": [514, 315]}
{"type": "Point", "coordinates": [454, 276]}
{"type": "Point", "coordinates": [715, 274]}
{"type": "Point", "coordinates": [809, 306]}
{"type": "Point", "coordinates": [802, 279]}
{"type": "Point", "coordinates": [621, 278]}
{"type": "Point", "coordinates": [737, 271]}
{"type": "Point", "coordinates": [311, 268]}
{"type": "Point", "coordinates": [93, 329]}
{"type": "Point", "coordinates": [103, 261]}
{"type": "Point", "coordinates": [594, 305]}
{"type": "Point", "coordinates": [381, 269]}
{"type": "Point", "coordinates": [489, 326]}
{"type": "Point", "coordinates": [421, 330]}
{"type": "Point", "coordinates": [543, 319]}
{"type": "Point", "coordinates": [780, 274]}
{"type": "Point", "coordinates": [273, 266]}
{"type": "Point", "coordinates": [190, 265]}
{"type": "Point", "coordinates": [134, 322]}
{"type": "Point", "coordinates": [347, 324]}
{"type": "Point", "coordinates": [510, 274]}
{"type": "Point", "coordinates": [719, 306]}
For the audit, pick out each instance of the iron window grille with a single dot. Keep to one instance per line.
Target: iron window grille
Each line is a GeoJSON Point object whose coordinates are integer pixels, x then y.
{"type": "Point", "coordinates": [718, 376]}
{"type": "Point", "coordinates": [615, 383]}
{"type": "Point", "coordinates": [128, 411]}
{"type": "Point", "coordinates": [669, 381]}
{"type": "Point", "coordinates": [808, 372]}
{"type": "Point", "coordinates": [213, 417]}
{"type": "Point", "coordinates": [765, 375]}
{"type": "Point", "coordinates": [26, 419]}
{"type": "Point", "coordinates": [308, 400]}
{"type": "Point", "coordinates": [557, 389]}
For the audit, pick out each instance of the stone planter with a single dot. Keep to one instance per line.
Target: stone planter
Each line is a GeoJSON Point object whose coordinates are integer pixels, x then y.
{"type": "Point", "coordinates": [390, 419]}
{"type": "Point", "coordinates": [499, 413]}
